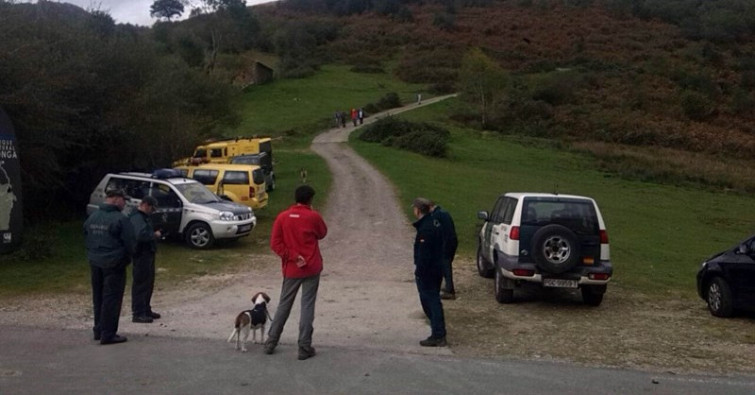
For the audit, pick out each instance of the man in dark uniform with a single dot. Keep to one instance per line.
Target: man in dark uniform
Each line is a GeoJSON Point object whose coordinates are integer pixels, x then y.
{"type": "Point", "coordinates": [144, 261]}
{"type": "Point", "coordinates": [450, 243]}
{"type": "Point", "coordinates": [428, 271]}
{"type": "Point", "coordinates": [109, 239]}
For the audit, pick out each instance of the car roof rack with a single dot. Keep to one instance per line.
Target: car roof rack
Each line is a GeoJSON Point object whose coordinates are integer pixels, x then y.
{"type": "Point", "coordinates": [162, 174]}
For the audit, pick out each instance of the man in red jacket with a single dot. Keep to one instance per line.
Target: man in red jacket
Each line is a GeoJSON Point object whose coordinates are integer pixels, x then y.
{"type": "Point", "coordinates": [295, 235]}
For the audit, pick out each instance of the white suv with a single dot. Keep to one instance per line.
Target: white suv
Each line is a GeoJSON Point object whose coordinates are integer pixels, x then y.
{"type": "Point", "coordinates": [186, 208]}
{"type": "Point", "coordinates": [554, 240]}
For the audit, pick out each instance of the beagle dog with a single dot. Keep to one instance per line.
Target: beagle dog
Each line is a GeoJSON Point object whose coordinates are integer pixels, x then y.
{"type": "Point", "coordinates": [251, 319]}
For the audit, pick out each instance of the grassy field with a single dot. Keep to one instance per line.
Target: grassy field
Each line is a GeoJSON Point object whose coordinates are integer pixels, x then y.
{"type": "Point", "coordinates": [659, 234]}
{"type": "Point", "coordinates": [307, 105]}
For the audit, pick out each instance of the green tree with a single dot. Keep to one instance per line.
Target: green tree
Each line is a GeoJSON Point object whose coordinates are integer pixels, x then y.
{"type": "Point", "coordinates": [482, 82]}
{"type": "Point", "coordinates": [166, 9]}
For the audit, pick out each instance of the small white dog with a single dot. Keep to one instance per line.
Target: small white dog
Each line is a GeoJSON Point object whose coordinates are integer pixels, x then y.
{"type": "Point", "coordinates": [252, 319]}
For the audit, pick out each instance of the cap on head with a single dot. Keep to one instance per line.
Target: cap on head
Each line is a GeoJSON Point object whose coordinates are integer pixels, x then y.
{"type": "Point", "coordinates": [150, 201]}
{"type": "Point", "coordinates": [116, 192]}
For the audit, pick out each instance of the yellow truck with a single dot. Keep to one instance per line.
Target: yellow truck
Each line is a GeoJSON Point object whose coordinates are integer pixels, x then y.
{"type": "Point", "coordinates": [221, 151]}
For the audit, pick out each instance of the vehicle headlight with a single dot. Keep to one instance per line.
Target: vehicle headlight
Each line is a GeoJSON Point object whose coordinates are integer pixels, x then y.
{"type": "Point", "coordinates": [703, 265]}
{"type": "Point", "coordinates": [226, 216]}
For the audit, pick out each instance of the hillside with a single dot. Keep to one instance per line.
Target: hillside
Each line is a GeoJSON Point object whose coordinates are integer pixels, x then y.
{"type": "Point", "coordinates": [637, 92]}
{"type": "Point", "coordinates": [659, 90]}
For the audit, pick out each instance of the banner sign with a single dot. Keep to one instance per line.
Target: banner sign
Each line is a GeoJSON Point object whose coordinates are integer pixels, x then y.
{"type": "Point", "coordinates": [11, 208]}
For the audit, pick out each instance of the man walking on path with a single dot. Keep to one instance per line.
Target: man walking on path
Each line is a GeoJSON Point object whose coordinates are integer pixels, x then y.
{"type": "Point", "coordinates": [295, 238]}
{"type": "Point", "coordinates": [428, 271]}
{"type": "Point", "coordinates": [144, 261]}
{"type": "Point", "coordinates": [450, 243]}
{"type": "Point", "coordinates": [109, 239]}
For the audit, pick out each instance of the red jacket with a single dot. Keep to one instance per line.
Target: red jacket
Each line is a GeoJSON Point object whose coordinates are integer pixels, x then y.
{"type": "Point", "coordinates": [296, 232]}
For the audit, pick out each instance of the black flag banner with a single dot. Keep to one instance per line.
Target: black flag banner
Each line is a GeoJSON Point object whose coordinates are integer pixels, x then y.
{"type": "Point", "coordinates": [11, 209]}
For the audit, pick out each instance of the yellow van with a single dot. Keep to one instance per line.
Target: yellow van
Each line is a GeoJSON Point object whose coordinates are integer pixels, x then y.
{"type": "Point", "coordinates": [243, 184]}
{"type": "Point", "coordinates": [221, 151]}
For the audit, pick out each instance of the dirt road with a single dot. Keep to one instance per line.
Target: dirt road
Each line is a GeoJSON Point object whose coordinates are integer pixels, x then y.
{"type": "Point", "coordinates": [367, 295]}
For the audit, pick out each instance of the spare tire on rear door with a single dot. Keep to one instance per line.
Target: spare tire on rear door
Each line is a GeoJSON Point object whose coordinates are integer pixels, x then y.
{"type": "Point", "coordinates": [555, 248]}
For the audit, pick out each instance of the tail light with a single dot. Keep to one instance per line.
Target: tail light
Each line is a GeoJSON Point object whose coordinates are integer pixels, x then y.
{"type": "Point", "coordinates": [598, 276]}
{"type": "Point", "coordinates": [603, 236]}
{"type": "Point", "coordinates": [514, 234]}
{"type": "Point", "coordinates": [251, 192]}
{"type": "Point", "coordinates": [523, 272]}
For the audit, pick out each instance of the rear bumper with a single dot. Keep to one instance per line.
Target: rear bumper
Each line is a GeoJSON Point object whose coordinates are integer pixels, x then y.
{"type": "Point", "coordinates": [580, 273]}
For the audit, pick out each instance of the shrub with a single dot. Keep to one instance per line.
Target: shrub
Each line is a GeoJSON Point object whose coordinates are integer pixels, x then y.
{"type": "Point", "coordinates": [390, 100]}
{"type": "Point", "coordinates": [697, 106]}
{"type": "Point", "coordinates": [422, 138]}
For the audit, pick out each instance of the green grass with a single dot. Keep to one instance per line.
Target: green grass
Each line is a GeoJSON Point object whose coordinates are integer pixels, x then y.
{"type": "Point", "coordinates": [659, 234]}
{"type": "Point", "coordinates": [293, 106]}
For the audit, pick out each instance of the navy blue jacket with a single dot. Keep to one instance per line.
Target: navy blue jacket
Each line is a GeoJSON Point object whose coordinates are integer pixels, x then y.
{"type": "Point", "coordinates": [428, 247]}
{"type": "Point", "coordinates": [448, 229]}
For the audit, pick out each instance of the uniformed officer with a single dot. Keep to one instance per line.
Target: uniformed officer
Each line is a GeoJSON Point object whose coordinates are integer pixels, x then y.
{"type": "Point", "coordinates": [428, 271]}
{"type": "Point", "coordinates": [144, 261]}
{"type": "Point", "coordinates": [109, 239]}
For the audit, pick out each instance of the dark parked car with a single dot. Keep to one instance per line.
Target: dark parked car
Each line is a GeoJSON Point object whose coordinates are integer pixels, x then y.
{"type": "Point", "coordinates": [726, 281]}
{"type": "Point", "coordinates": [263, 160]}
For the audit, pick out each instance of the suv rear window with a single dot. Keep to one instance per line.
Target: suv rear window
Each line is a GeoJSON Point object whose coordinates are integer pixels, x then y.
{"type": "Point", "coordinates": [236, 178]}
{"type": "Point", "coordinates": [577, 215]}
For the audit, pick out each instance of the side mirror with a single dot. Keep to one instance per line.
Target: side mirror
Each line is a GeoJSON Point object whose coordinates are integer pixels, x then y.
{"type": "Point", "coordinates": [483, 215]}
{"type": "Point", "coordinates": [744, 249]}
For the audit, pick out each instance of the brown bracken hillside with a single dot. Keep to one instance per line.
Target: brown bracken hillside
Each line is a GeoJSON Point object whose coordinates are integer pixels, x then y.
{"type": "Point", "coordinates": [677, 97]}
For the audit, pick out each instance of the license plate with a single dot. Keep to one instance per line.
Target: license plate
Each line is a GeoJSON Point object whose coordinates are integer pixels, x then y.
{"type": "Point", "coordinates": [559, 283]}
{"type": "Point", "coordinates": [244, 228]}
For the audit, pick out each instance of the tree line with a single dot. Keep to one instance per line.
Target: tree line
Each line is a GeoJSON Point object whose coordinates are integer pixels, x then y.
{"type": "Point", "coordinates": [88, 96]}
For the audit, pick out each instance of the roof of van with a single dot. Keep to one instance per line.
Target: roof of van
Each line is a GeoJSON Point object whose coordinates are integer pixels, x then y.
{"type": "Point", "coordinates": [225, 166]}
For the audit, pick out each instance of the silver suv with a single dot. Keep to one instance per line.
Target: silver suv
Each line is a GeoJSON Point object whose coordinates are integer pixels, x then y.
{"type": "Point", "coordinates": [186, 208]}
{"type": "Point", "coordinates": [557, 241]}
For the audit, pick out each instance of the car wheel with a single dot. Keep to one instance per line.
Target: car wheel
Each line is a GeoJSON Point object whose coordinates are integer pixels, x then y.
{"type": "Point", "coordinates": [502, 294]}
{"type": "Point", "coordinates": [482, 268]}
{"type": "Point", "coordinates": [592, 295]}
{"type": "Point", "coordinates": [555, 248]}
{"type": "Point", "coordinates": [200, 236]}
{"type": "Point", "coordinates": [720, 300]}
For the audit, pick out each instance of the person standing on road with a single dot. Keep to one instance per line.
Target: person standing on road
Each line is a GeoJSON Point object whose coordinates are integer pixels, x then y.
{"type": "Point", "coordinates": [428, 270]}
{"type": "Point", "coordinates": [450, 243]}
{"type": "Point", "coordinates": [295, 238]}
{"type": "Point", "coordinates": [144, 261]}
{"type": "Point", "coordinates": [109, 240]}
{"type": "Point", "coordinates": [354, 116]}
{"type": "Point", "coordinates": [360, 115]}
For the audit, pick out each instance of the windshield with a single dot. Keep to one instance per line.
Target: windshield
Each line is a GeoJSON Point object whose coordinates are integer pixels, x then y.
{"type": "Point", "coordinates": [197, 193]}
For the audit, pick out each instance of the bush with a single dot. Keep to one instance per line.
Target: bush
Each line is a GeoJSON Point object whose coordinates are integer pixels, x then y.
{"type": "Point", "coordinates": [390, 100]}
{"type": "Point", "coordinates": [696, 106]}
{"type": "Point", "coordinates": [422, 138]}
